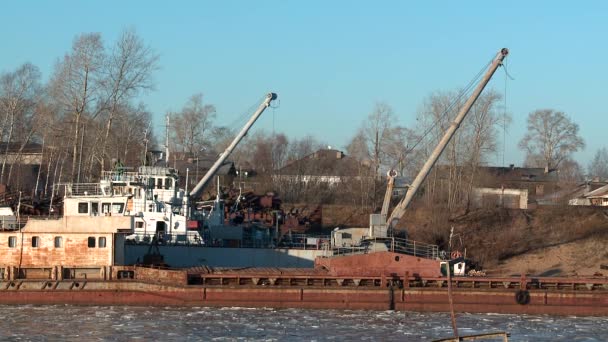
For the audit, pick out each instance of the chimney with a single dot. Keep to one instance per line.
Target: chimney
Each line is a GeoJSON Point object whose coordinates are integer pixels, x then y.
{"type": "Point", "coordinates": [339, 154]}
{"type": "Point", "coordinates": [547, 169]}
{"type": "Point", "coordinates": [512, 166]}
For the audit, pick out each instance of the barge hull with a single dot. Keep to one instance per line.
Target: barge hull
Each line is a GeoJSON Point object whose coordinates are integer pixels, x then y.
{"type": "Point", "coordinates": [553, 302]}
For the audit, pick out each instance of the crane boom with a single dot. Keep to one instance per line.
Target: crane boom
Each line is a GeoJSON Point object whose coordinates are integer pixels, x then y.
{"type": "Point", "coordinates": [403, 205]}
{"type": "Point", "coordinates": [203, 182]}
{"type": "Point", "coordinates": [391, 174]}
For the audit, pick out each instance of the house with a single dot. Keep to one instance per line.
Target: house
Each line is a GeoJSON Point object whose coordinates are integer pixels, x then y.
{"type": "Point", "coordinates": [325, 166]}
{"type": "Point", "coordinates": [597, 197]}
{"type": "Point", "coordinates": [31, 154]}
{"type": "Point", "coordinates": [537, 181]}
{"type": "Point", "coordinates": [507, 187]}
{"type": "Point", "coordinates": [25, 162]}
{"type": "Point", "coordinates": [513, 187]}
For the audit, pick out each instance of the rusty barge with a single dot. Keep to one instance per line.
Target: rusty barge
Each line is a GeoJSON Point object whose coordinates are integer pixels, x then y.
{"type": "Point", "coordinates": [394, 288]}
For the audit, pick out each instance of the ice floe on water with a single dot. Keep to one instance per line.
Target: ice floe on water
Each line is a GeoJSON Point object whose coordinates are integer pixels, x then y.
{"type": "Point", "coordinates": [40, 323]}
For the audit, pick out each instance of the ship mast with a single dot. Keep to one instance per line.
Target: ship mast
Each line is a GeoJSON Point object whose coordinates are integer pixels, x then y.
{"type": "Point", "coordinates": [400, 209]}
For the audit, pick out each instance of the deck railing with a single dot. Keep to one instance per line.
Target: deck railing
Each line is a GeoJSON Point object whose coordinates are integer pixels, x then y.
{"type": "Point", "coordinates": [120, 176]}
{"type": "Point", "coordinates": [391, 244]}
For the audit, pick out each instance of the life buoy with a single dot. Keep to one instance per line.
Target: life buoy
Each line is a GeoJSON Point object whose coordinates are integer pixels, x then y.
{"type": "Point", "coordinates": [522, 297]}
{"type": "Point", "coordinates": [456, 255]}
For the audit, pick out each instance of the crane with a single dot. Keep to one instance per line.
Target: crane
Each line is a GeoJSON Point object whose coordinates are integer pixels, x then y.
{"type": "Point", "coordinates": [391, 174]}
{"type": "Point", "coordinates": [380, 229]}
{"type": "Point", "coordinates": [224, 155]}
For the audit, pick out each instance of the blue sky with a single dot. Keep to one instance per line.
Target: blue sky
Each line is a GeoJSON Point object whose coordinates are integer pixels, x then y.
{"type": "Point", "coordinates": [330, 61]}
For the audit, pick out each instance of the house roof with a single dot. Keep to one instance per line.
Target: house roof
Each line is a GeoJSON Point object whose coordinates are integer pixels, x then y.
{"type": "Point", "coordinates": [507, 174]}
{"type": "Point", "coordinates": [324, 162]}
{"type": "Point", "coordinates": [529, 174]}
{"type": "Point", "coordinates": [597, 193]}
{"type": "Point", "coordinates": [15, 146]}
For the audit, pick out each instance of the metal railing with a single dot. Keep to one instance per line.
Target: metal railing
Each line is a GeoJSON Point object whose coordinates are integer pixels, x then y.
{"type": "Point", "coordinates": [188, 239]}
{"type": "Point", "coordinates": [84, 189]}
{"type": "Point", "coordinates": [305, 241]}
{"type": "Point", "coordinates": [396, 245]}
{"type": "Point", "coordinates": [120, 176]}
{"type": "Point", "coordinates": [194, 238]}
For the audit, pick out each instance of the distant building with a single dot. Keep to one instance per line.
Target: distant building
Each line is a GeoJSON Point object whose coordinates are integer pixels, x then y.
{"type": "Point", "coordinates": [325, 166]}
{"type": "Point", "coordinates": [25, 161]}
{"type": "Point", "coordinates": [597, 197]}
{"type": "Point", "coordinates": [507, 187]}
{"type": "Point", "coordinates": [31, 154]}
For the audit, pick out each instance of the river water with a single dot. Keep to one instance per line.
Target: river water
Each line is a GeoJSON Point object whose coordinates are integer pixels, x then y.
{"type": "Point", "coordinates": [119, 323]}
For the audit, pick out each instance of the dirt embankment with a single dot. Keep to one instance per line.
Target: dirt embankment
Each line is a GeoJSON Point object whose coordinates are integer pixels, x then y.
{"type": "Point", "coordinates": [551, 241]}
{"type": "Point", "coordinates": [561, 240]}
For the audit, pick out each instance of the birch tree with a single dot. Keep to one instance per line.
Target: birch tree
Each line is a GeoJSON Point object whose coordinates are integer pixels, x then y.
{"type": "Point", "coordinates": [76, 85]}
{"type": "Point", "coordinates": [193, 125]}
{"type": "Point", "coordinates": [552, 136]}
{"type": "Point", "coordinates": [19, 93]}
{"type": "Point", "coordinates": [470, 147]}
{"type": "Point", "coordinates": [128, 71]}
{"type": "Point", "coordinates": [598, 167]}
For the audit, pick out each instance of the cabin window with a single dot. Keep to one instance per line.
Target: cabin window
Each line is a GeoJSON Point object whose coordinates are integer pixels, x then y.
{"type": "Point", "coordinates": [139, 224]}
{"type": "Point", "coordinates": [159, 183]}
{"type": "Point", "coordinates": [83, 207]}
{"type": "Point", "coordinates": [95, 209]}
{"type": "Point", "coordinates": [117, 208]}
{"type": "Point", "coordinates": [91, 242]}
{"type": "Point", "coordinates": [168, 183]}
{"type": "Point", "coordinates": [105, 208]}
{"type": "Point", "coordinates": [102, 242]}
{"type": "Point", "coordinates": [12, 241]}
{"type": "Point", "coordinates": [58, 242]}
{"type": "Point", "coordinates": [35, 241]}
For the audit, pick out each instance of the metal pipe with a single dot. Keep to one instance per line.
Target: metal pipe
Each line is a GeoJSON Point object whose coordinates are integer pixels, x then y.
{"type": "Point", "coordinates": [203, 182]}
{"type": "Point", "coordinates": [426, 169]}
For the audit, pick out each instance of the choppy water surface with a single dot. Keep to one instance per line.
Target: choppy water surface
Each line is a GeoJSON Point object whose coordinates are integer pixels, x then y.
{"type": "Point", "coordinates": [24, 323]}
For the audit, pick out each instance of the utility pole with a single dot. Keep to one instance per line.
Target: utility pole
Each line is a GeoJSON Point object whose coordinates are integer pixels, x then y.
{"type": "Point", "coordinates": [167, 140]}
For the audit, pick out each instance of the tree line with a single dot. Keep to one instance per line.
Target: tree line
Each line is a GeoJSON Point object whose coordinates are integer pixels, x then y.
{"type": "Point", "coordinates": [89, 114]}
{"type": "Point", "coordinates": [85, 115]}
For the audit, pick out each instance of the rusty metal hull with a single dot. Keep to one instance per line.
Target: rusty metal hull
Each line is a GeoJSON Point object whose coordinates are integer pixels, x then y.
{"type": "Point", "coordinates": [135, 292]}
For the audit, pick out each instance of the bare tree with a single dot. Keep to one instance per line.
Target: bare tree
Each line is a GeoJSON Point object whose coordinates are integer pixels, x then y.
{"type": "Point", "coordinates": [193, 125]}
{"type": "Point", "coordinates": [19, 95]}
{"type": "Point", "coordinates": [128, 70]}
{"type": "Point", "coordinates": [598, 167]}
{"type": "Point", "coordinates": [128, 139]}
{"type": "Point", "coordinates": [551, 135]}
{"type": "Point", "coordinates": [376, 132]}
{"type": "Point", "coordinates": [76, 84]}
{"type": "Point", "coordinates": [437, 113]}
{"type": "Point", "coordinates": [481, 134]}
{"type": "Point", "coordinates": [452, 180]}
{"type": "Point", "coordinates": [570, 172]}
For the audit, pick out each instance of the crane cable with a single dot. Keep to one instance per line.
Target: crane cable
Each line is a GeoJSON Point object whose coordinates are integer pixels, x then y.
{"type": "Point", "coordinates": [451, 105]}
{"type": "Point", "coordinates": [247, 113]}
